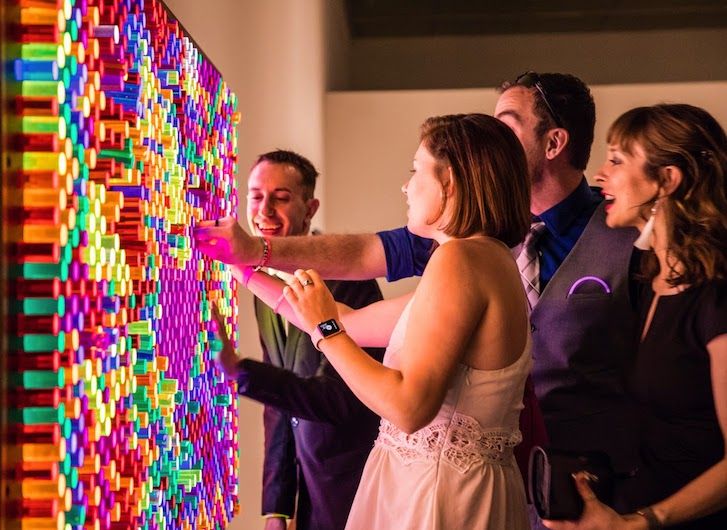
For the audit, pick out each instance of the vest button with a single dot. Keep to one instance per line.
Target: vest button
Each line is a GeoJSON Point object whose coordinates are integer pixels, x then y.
{"type": "Point", "coordinates": [294, 422]}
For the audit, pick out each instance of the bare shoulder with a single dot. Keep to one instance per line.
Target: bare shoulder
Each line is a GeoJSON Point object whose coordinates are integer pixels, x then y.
{"type": "Point", "coordinates": [475, 266]}
{"type": "Point", "coordinates": [478, 253]}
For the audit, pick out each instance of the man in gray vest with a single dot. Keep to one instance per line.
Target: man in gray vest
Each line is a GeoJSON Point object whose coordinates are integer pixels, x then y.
{"type": "Point", "coordinates": [575, 270]}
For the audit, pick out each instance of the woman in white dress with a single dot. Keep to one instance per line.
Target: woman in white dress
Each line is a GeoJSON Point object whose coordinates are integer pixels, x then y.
{"type": "Point", "coordinates": [450, 389]}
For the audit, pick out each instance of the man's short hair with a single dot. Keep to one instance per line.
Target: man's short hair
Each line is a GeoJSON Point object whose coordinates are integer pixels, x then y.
{"type": "Point", "coordinates": [571, 100]}
{"type": "Point", "coordinates": [301, 164]}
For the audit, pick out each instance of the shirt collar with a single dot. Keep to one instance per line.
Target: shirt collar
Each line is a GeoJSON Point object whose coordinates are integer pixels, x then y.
{"type": "Point", "coordinates": [560, 217]}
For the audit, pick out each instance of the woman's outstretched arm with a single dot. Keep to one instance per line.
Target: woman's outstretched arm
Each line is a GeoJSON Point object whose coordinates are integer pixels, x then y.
{"type": "Point", "coordinates": [445, 312]}
{"type": "Point", "coordinates": [370, 326]}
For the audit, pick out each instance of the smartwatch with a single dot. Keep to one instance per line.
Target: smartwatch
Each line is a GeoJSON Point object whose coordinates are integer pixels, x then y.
{"type": "Point", "coordinates": [327, 328]}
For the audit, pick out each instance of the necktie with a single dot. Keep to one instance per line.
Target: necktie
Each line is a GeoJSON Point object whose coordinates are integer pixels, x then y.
{"type": "Point", "coordinates": [529, 264]}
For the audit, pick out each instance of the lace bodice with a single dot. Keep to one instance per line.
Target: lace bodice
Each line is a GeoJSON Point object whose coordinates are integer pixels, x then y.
{"type": "Point", "coordinates": [456, 472]}
{"type": "Point", "coordinates": [478, 420]}
{"type": "Point", "coordinates": [460, 443]}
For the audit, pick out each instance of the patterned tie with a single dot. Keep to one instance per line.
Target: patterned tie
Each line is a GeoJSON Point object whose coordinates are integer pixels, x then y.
{"type": "Point", "coordinates": [529, 264]}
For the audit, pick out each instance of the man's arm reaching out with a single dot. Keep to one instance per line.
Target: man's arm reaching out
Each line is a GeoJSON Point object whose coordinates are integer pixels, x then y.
{"type": "Point", "coordinates": [336, 256]}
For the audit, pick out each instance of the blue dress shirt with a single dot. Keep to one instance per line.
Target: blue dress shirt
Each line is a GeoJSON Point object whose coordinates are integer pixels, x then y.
{"type": "Point", "coordinates": [564, 224]}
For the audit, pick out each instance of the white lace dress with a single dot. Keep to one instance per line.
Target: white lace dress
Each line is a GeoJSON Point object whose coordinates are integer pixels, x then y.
{"type": "Point", "coordinates": [459, 471]}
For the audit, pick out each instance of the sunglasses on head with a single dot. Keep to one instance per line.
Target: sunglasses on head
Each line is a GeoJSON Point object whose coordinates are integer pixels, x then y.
{"type": "Point", "coordinates": [532, 80]}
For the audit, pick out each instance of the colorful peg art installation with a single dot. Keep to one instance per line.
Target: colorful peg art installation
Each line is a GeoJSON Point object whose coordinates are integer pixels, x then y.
{"type": "Point", "coordinates": [119, 135]}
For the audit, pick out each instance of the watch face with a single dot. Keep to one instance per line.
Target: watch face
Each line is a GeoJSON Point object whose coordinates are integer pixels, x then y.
{"type": "Point", "coordinates": [328, 328]}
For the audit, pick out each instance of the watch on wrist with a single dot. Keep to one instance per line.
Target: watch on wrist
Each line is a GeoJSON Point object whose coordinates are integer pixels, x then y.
{"type": "Point", "coordinates": [327, 328]}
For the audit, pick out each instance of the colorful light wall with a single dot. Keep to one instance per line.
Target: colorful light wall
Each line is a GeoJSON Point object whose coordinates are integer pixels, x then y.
{"type": "Point", "coordinates": [118, 135]}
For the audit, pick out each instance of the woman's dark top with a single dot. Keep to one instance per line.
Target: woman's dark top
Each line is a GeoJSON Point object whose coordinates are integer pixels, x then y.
{"type": "Point", "coordinates": [670, 379]}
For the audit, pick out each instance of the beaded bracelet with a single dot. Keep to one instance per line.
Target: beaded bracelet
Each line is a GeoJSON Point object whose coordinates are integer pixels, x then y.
{"type": "Point", "coordinates": [267, 251]}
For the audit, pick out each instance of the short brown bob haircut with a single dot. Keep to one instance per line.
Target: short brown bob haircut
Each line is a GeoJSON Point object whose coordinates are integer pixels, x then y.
{"type": "Point", "coordinates": [490, 177]}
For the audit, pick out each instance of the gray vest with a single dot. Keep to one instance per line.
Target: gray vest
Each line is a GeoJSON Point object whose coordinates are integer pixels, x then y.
{"type": "Point", "coordinates": [583, 338]}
